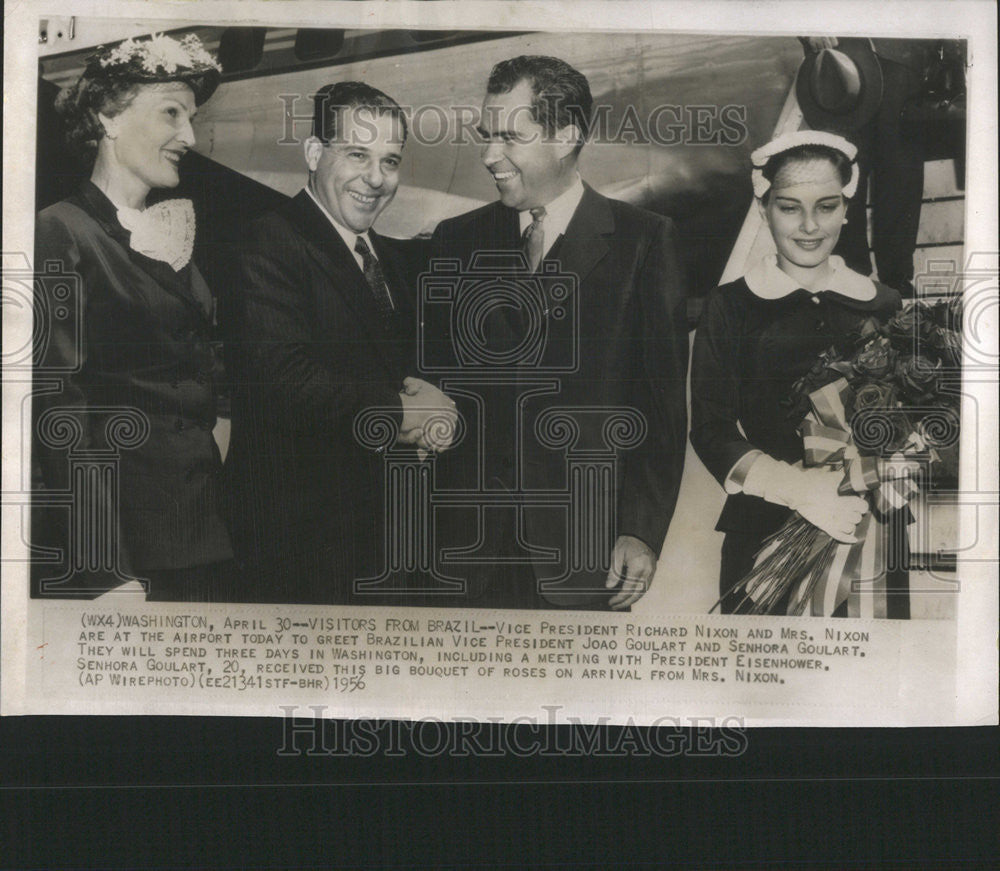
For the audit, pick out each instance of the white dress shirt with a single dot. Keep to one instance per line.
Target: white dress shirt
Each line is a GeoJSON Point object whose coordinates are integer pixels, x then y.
{"type": "Point", "coordinates": [558, 214]}
{"type": "Point", "coordinates": [349, 236]}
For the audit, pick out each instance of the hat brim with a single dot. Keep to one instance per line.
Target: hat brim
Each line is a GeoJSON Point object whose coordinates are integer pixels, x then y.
{"type": "Point", "coordinates": [869, 98]}
{"type": "Point", "coordinates": [202, 82]}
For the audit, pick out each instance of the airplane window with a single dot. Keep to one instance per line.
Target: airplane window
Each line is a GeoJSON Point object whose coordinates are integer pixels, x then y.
{"type": "Point", "coordinates": [241, 48]}
{"type": "Point", "coordinates": [314, 44]}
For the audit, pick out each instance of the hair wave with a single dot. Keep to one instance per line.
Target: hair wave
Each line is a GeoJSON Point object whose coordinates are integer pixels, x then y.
{"type": "Point", "coordinates": [79, 106]}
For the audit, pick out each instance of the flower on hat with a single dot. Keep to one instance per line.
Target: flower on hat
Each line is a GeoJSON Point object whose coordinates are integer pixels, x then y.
{"type": "Point", "coordinates": [164, 52]}
{"type": "Point", "coordinates": [121, 54]}
{"type": "Point", "coordinates": [198, 53]}
{"type": "Point", "coordinates": [159, 55]}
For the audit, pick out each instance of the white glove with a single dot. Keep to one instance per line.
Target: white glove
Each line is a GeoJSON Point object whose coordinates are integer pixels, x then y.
{"type": "Point", "coordinates": [811, 492]}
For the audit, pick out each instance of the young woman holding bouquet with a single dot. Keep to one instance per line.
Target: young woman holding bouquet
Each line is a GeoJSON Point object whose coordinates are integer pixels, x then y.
{"type": "Point", "coordinates": [758, 336]}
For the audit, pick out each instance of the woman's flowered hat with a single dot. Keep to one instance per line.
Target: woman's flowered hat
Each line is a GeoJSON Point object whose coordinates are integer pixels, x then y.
{"type": "Point", "coordinates": [159, 58]}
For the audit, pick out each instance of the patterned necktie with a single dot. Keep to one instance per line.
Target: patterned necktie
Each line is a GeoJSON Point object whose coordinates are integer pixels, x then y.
{"type": "Point", "coordinates": [533, 240]}
{"type": "Point", "coordinates": [375, 277]}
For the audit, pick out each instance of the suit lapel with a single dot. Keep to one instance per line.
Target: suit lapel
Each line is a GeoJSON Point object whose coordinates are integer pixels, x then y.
{"type": "Point", "coordinates": [503, 233]}
{"type": "Point", "coordinates": [328, 249]}
{"type": "Point", "coordinates": [508, 228]}
{"type": "Point", "coordinates": [585, 242]}
{"type": "Point", "coordinates": [178, 284]}
{"type": "Point", "coordinates": [395, 275]}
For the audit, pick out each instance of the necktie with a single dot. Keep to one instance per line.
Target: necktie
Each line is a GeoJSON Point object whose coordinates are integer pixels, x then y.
{"type": "Point", "coordinates": [375, 277]}
{"type": "Point", "coordinates": [533, 241]}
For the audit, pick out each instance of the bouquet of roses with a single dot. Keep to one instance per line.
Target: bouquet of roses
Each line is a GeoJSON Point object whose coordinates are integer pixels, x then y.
{"type": "Point", "coordinates": [876, 407]}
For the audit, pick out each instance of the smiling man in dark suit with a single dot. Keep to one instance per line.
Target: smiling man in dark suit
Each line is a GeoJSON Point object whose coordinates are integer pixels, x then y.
{"type": "Point", "coordinates": [629, 361]}
{"type": "Point", "coordinates": [325, 332]}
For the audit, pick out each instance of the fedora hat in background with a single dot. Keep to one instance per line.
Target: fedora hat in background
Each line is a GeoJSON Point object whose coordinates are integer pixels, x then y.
{"type": "Point", "coordinates": [839, 89]}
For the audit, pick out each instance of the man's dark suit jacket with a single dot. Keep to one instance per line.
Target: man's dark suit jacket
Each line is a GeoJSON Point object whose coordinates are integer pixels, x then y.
{"type": "Point", "coordinates": [632, 350]}
{"type": "Point", "coordinates": [132, 338]}
{"type": "Point", "coordinates": [313, 350]}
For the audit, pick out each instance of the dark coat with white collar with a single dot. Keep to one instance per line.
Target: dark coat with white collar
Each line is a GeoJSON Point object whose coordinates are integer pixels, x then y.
{"type": "Point", "coordinates": [748, 352]}
{"type": "Point", "coordinates": [131, 334]}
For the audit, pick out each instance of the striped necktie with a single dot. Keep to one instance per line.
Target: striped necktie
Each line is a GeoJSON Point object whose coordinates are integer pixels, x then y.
{"type": "Point", "coordinates": [375, 277]}
{"type": "Point", "coordinates": [533, 240]}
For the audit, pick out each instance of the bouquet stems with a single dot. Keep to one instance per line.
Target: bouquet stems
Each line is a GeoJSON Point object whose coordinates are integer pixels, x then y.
{"type": "Point", "coordinates": [797, 553]}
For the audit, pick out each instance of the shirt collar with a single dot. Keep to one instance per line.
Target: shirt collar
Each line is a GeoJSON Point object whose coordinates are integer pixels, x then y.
{"type": "Point", "coordinates": [558, 213]}
{"type": "Point", "coordinates": [766, 280]}
{"type": "Point", "coordinates": [349, 236]}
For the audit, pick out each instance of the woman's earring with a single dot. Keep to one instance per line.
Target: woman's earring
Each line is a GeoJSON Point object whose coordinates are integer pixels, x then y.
{"type": "Point", "coordinates": [844, 221]}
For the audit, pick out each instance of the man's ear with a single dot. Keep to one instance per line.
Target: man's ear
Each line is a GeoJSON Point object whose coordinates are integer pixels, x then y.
{"type": "Point", "coordinates": [566, 140]}
{"type": "Point", "coordinates": [313, 152]}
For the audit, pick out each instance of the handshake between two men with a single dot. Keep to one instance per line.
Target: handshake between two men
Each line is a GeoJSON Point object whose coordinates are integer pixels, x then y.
{"type": "Point", "coordinates": [430, 420]}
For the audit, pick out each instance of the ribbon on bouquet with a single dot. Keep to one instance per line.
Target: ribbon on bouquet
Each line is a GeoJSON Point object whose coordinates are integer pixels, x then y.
{"type": "Point", "coordinates": [856, 573]}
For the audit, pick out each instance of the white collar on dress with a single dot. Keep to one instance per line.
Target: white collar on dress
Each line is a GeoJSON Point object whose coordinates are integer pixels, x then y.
{"type": "Point", "coordinates": [766, 280]}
